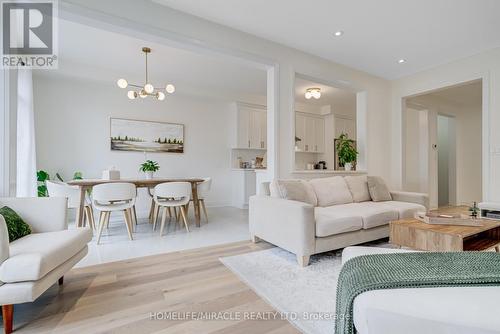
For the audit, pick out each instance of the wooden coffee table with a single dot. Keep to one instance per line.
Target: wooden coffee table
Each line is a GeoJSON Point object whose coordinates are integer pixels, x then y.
{"type": "Point", "coordinates": [445, 238]}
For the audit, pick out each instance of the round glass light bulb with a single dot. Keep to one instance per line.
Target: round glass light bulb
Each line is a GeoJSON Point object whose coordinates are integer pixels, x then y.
{"type": "Point", "coordinates": [170, 88]}
{"type": "Point", "coordinates": [143, 94]}
{"type": "Point", "coordinates": [160, 96]}
{"type": "Point", "coordinates": [122, 83]}
{"type": "Point", "coordinates": [149, 88]}
{"type": "Point", "coordinates": [308, 95]}
{"type": "Point", "coordinates": [132, 94]}
{"type": "Point", "coordinates": [316, 94]}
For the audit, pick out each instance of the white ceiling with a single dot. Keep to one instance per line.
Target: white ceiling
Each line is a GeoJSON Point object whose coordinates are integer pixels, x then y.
{"type": "Point", "coordinates": [101, 55]}
{"type": "Point", "coordinates": [339, 98]}
{"type": "Point", "coordinates": [377, 34]}
{"type": "Point", "coordinates": [466, 94]}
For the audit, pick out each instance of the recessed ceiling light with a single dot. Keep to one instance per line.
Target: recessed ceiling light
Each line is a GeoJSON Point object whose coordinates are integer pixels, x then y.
{"type": "Point", "coordinates": [402, 61]}
{"type": "Point", "coordinates": [339, 33]}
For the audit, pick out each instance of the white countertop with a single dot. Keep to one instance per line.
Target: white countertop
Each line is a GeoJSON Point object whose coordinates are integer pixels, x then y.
{"type": "Point", "coordinates": [249, 169]}
{"type": "Point", "coordinates": [327, 171]}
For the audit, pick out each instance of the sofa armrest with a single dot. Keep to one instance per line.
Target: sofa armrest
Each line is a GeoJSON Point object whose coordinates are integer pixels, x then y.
{"type": "Point", "coordinates": [43, 214]}
{"type": "Point", "coordinates": [284, 223]}
{"type": "Point", "coordinates": [411, 197]}
{"type": "Point", "coordinates": [4, 241]}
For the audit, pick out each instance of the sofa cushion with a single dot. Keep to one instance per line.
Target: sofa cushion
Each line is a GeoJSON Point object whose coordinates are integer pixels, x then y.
{"type": "Point", "coordinates": [375, 214]}
{"type": "Point", "coordinates": [295, 190]}
{"type": "Point", "coordinates": [336, 219]}
{"type": "Point", "coordinates": [404, 209]}
{"type": "Point", "coordinates": [16, 226]}
{"type": "Point", "coordinates": [35, 255]}
{"type": "Point", "coordinates": [358, 185]}
{"type": "Point", "coordinates": [331, 191]}
{"type": "Point", "coordinates": [378, 189]}
{"type": "Point", "coordinates": [4, 241]}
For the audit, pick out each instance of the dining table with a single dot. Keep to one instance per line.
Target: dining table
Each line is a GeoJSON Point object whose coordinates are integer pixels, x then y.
{"type": "Point", "coordinates": [86, 184]}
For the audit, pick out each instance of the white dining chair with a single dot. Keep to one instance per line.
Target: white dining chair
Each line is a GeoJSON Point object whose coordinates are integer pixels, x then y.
{"type": "Point", "coordinates": [203, 190]}
{"type": "Point", "coordinates": [172, 195]}
{"type": "Point", "coordinates": [72, 193]}
{"type": "Point", "coordinates": [111, 197]}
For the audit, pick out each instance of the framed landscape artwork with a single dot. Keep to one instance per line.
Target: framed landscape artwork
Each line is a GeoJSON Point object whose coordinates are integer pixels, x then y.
{"type": "Point", "coordinates": [146, 136]}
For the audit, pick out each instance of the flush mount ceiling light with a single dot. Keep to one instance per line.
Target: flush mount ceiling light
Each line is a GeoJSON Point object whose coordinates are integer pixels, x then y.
{"type": "Point", "coordinates": [401, 61]}
{"type": "Point", "coordinates": [339, 33]}
{"type": "Point", "coordinates": [147, 89]}
{"type": "Point", "coordinates": [313, 92]}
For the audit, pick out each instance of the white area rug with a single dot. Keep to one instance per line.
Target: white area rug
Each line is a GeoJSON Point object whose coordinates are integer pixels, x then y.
{"type": "Point", "coordinates": [304, 295]}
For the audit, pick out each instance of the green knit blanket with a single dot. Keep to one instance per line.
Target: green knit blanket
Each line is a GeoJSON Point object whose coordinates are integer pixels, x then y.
{"type": "Point", "coordinates": [410, 270]}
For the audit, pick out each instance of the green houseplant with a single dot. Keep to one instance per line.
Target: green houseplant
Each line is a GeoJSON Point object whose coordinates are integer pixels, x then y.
{"type": "Point", "coordinates": [149, 167]}
{"type": "Point", "coordinates": [42, 176]}
{"type": "Point", "coordinates": [346, 151]}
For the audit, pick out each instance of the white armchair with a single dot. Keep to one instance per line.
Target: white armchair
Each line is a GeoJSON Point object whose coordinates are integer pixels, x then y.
{"type": "Point", "coordinates": [32, 264]}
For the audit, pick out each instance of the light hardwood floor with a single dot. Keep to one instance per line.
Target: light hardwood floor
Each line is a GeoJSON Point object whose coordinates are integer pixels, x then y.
{"type": "Point", "coordinates": [119, 297]}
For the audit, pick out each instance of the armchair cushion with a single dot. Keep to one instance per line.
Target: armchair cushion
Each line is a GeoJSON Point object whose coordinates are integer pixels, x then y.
{"type": "Point", "coordinates": [34, 256]}
{"type": "Point", "coordinates": [16, 226]}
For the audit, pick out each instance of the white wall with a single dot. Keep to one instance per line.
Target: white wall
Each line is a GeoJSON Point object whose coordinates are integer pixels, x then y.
{"type": "Point", "coordinates": [444, 163]}
{"type": "Point", "coordinates": [486, 66]}
{"type": "Point", "coordinates": [416, 150]}
{"type": "Point", "coordinates": [72, 131]}
{"type": "Point", "coordinates": [163, 22]}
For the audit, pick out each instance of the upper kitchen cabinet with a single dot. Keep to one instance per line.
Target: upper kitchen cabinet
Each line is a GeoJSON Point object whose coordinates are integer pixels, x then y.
{"type": "Point", "coordinates": [345, 125]}
{"type": "Point", "coordinates": [251, 127]}
{"type": "Point", "coordinates": [310, 129]}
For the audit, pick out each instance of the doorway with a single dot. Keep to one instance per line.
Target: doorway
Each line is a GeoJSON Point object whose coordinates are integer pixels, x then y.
{"type": "Point", "coordinates": [442, 144]}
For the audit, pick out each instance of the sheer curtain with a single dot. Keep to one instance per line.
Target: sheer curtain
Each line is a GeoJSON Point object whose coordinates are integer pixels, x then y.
{"type": "Point", "coordinates": [26, 185]}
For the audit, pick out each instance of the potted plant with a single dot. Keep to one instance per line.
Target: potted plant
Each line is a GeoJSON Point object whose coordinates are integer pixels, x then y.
{"type": "Point", "coordinates": [474, 210]}
{"type": "Point", "coordinates": [149, 167]}
{"type": "Point", "coordinates": [346, 151]}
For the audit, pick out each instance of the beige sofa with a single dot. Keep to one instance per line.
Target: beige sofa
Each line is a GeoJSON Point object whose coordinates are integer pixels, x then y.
{"type": "Point", "coordinates": [32, 264]}
{"type": "Point", "coordinates": [335, 212]}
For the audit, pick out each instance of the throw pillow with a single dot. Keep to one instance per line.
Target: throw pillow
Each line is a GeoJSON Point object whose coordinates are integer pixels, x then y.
{"type": "Point", "coordinates": [295, 190]}
{"type": "Point", "coordinates": [331, 191]}
{"type": "Point", "coordinates": [378, 189]}
{"type": "Point", "coordinates": [358, 185]}
{"type": "Point", "coordinates": [15, 224]}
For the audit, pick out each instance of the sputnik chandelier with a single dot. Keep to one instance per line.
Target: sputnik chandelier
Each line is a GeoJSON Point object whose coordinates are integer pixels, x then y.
{"type": "Point", "coordinates": [313, 92]}
{"type": "Point", "coordinates": [147, 89]}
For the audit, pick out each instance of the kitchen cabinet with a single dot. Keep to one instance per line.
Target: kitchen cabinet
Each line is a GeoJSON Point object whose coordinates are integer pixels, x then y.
{"type": "Point", "coordinates": [319, 131]}
{"type": "Point", "coordinates": [311, 130]}
{"type": "Point", "coordinates": [251, 127]}
{"type": "Point", "coordinates": [345, 125]}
